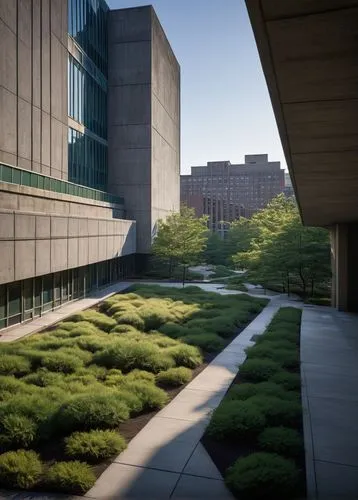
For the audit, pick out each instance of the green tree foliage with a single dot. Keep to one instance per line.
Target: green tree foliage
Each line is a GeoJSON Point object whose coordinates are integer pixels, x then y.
{"type": "Point", "coordinates": [282, 249]}
{"type": "Point", "coordinates": [181, 238]}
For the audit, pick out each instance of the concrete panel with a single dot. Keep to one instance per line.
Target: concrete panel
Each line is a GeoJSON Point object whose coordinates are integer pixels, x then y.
{"type": "Point", "coordinates": [36, 53]}
{"type": "Point", "coordinates": [56, 76]}
{"type": "Point", "coordinates": [24, 259]}
{"type": "Point", "coordinates": [93, 227]}
{"type": "Point", "coordinates": [6, 226]}
{"type": "Point", "coordinates": [43, 257]}
{"type": "Point", "coordinates": [7, 268]}
{"type": "Point", "coordinates": [7, 158]}
{"type": "Point", "coordinates": [129, 105]}
{"type": "Point", "coordinates": [36, 167]}
{"type": "Point", "coordinates": [58, 254]}
{"type": "Point", "coordinates": [24, 21]}
{"type": "Point", "coordinates": [130, 136]}
{"type": "Point", "coordinates": [24, 73]}
{"type": "Point", "coordinates": [134, 63]}
{"type": "Point", "coordinates": [8, 200]}
{"type": "Point", "coordinates": [36, 135]}
{"type": "Point", "coordinates": [82, 251]}
{"type": "Point", "coordinates": [59, 227]}
{"type": "Point", "coordinates": [8, 122]}
{"type": "Point", "coordinates": [92, 249]}
{"type": "Point", "coordinates": [65, 150]}
{"type": "Point", "coordinates": [45, 56]}
{"type": "Point", "coordinates": [43, 226]}
{"type": "Point", "coordinates": [56, 147]}
{"type": "Point", "coordinates": [24, 163]}
{"type": "Point", "coordinates": [8, 13]}
{"type": "Point", "coordinates": [102, 248]}
{"type": "Point", "coordinates": [7, 58]}
{"type": "Point", "coordinates": [164, 124]}
{"type": "Point", "coordinates": [25, 226]}
{"type": "Point", "coordinates": [73, 227]}
{"type": "Point", "coordinates": [24, 129]}
{"type": "Point", "coordinates": [64, 22]}
{"type": "Point", "coordinates": [129, 25]}
{"type": "Point", "coordinates": [129, 166]}
{"type": "Point", "coordinates": [83, 227]}
{"type": "Point", "coordinates": [56, 18]}
{"type": "Point", "coordinates": [72, 252]}
{"type": "Point", "coordinates": [46, 140]}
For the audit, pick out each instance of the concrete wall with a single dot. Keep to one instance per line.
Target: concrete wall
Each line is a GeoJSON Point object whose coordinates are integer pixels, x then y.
{"type": "Point", "coordinates": [143, 119]}
{"type": "Point", "coordinates": [165, 188]}
{"type": "Point", "coordinates": [33, 85]}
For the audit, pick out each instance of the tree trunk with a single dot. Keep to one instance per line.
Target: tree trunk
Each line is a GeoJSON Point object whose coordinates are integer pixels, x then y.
{"type": "Point", "coordinates": [184, 275]}
{"type": "Point", "coordinates": [170, 267]}
{"type": "Point", "coordinates": [303, 283]}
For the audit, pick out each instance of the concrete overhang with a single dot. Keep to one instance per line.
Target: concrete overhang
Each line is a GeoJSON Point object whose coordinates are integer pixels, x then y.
{"type": "Point", "coordinates": [309, 54]}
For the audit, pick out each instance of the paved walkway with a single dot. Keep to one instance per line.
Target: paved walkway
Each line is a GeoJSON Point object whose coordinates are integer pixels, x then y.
{"type": "Point", "coordinates": [166, 459]}
{"type": "Point", "coordinates": [329, 355]}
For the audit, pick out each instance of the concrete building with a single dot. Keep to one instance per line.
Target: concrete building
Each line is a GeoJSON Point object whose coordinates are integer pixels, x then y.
{"type": "Point", "coordinates": [89, 147]}
{"type": "Point", "coordinates": [308, 52]}
{"type": "Point", "coordinates": [288, 188]}
{"type": "Point", "coordinates": [226, 192]}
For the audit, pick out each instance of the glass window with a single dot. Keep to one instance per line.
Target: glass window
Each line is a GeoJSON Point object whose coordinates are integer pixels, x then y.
{"type": "Point", "coordinates": [47, 292]}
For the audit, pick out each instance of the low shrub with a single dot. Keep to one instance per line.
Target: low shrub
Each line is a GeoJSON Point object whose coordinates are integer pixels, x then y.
{"type": "Point", "coordinates": [281, 440]}
{"type": "Point", "coordinates": [224, 326]}
{"type": "Point", "coordinates": [209, 342]}
{"type": "Point", "coordinates": [17, 431]}
{"type": "Point", "coordinates": [240, 392]}
{"type": "Point", "coordinates": [95, 445]}
{"type": "Point", "coordinates": [174, 376]}
{"type": "Point", "coordinates": [124, 329]}
{"type": "Point", "coordinates": [11, 364]}
{"type": "Point", "coordinates": [61, 362]}
{"type": "Point", "coordinates": [236, 419]}
{"type": "Point", "coordinates": [246, 390]}
{"type": "Point", "coordinates": [9, 386]}
{"type": "Point", "coordinates": [92, 411]}
{"type": "Point", "coordinates": [70, 477]}
{"type": "Point", "coordinates": [121, 307]}
{"type": "Point", "coordinates": [154, 316]}
{"type": "Point", "coordinates": [287, 358]}
{"type": "Point", "coordinates": [262, 475]}
{"type": "Point", "coordinates": [161, 340]}
{"type": "Point", "coordinates": [258, 370]}
{"type": "Point", "coordinates": [20, 469]}
{"type": "Point", "coordinates": [278, 411]}
{"type": "Point", "coordinates": [80, 328]}
{"type": "Point", "coordinates": [185, 355]}
{"type": "Point", "coordinates": [136, 374]}
{"type": "Point", "coordinates": [152, 397]}
{"type": "Point", "coordinates": [290, 381]}
{"type": "Point", "coordinates": [130, 318]}
{"type": "Point", "coordinates": [173, 330]}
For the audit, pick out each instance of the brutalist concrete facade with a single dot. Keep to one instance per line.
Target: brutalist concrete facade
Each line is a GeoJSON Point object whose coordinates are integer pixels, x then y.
{"type": "Point", "coordinates": [59, 240]}
{"type": "Point", "coordinates": [143, 119]}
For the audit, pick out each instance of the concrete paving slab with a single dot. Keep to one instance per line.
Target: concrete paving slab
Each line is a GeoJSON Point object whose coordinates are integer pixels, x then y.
{"type": "Point", "coordinates": [200, 464]}
{"type": "Point", "coordinates": [201, 488]}
{"type": "Point", "coordinates": [191, 404]}
{"type": "Point", "coordinates": [336, 481]}
{"type": "Point", "coordinates": [121, 482]}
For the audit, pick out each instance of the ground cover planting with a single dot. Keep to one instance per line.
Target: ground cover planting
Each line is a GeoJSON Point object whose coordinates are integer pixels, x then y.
{"type": "Point", "coordinates": [72, 397]}
{"type": "Point", "coordinates": [255, 435]}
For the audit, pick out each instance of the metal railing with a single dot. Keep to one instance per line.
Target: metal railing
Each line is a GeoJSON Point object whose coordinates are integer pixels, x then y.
{"type": "Point", "coordinates": [15, 175]}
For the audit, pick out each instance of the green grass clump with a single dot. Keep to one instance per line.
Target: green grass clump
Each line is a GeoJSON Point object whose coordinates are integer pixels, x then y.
{"type": "Point", "coordinates": [80, 327]}
{"type": "Point", "coordinates": [258, 370]}
{"type": "Point", "coordinates": [17, 431]}
{"type": "Point", "coordinates": [70, 477]}
{"type": "Point", "coordinates": [262, 475]}
{"type": "Point", "coordinates": [11, 364]}
{"type": "Point", "coordinates": [130, 318]}
{"type": "Point", "coordinates": [151, 397]}
{"type": "Point", "coordinates": [174, 377]}
{"type": "Point", "coordinates": [278, 411]}
{"type": "Point", "coordinates": [290, 381]}
{"type": "Point", "coordinates": [154, 316]}
{"type": "Point", "coordinates": [209, 342]}
{"type": "Point", "coordinates": [245, 391]}
{"type": "Point", "coordinates": [92, 411]}
{"type": "Point", "coordinates": [127, 355]}
{"type": "Point", "coordinates": [20, 469]}
{"type": "Point", "coordinates": [223, 326]}
{"type": "Point", "coordinates": [95, 445]}
{"type": "Point", "coordinates": [185, 355]}
{"type": "Point", "coordinates": [124, 329]}
{"type": "Point", "coordinates": [281, 440]}
{"type": "Point", "coordinates": [161, 340]}
{"type": "Point", "coordinates": [61, 362]}
{"type": "Point", "coordinates": [173, 330]}
{"type": "Point", "coordinates": [136, 375]}
{"type": "Point", "coordinates": [98, 319]}
{"type": "Point", "coordinates": [237, 420]}
{"type": "Point", "coordinates": [9, 386]}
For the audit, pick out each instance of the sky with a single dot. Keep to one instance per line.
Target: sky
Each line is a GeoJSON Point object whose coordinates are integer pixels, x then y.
{"type": "Point", "coordinates": [225, 106]}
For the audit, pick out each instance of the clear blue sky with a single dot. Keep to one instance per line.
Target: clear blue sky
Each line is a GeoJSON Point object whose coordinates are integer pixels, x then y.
{"type": "Point", "coordinates": [226, 110]}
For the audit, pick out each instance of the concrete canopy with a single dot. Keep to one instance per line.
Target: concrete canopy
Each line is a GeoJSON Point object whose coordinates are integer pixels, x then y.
{"type": "Point", "coordinates": [309, 54]}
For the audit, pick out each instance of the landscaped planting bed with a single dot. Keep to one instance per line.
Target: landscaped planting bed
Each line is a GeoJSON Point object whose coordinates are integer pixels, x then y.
{"type": "Point", "coordinates": [73, 396]}
{"type": "Point", "coordinates": [255, 436]}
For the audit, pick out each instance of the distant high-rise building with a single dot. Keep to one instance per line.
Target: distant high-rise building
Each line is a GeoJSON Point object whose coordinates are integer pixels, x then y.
{"type": "Point", "coordinates": [226, 192]}
{"type": "Point", "coordinates": [288, 189]}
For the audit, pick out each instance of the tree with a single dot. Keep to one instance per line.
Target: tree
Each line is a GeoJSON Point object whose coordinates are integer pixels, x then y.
{"type": "Point", "coordinates": [285, 250]}
{"type": "Point", "coordinates": [181, 237]}
{"type": "Point", "coordinates": [215, 252]}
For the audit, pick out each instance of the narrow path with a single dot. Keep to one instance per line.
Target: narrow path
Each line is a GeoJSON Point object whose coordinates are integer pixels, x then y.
{"type": "Point", "coordinates": [329, 368]}
{"type": "Point", "coordinates": [166, 459]}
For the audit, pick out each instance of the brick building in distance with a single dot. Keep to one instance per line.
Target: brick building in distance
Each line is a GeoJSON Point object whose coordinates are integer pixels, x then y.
{"type": "Point", "coordinates": [226, 192]}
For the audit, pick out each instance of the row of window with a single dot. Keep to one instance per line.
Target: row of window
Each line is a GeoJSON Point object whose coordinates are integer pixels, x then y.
{"type": "Point", "coordinates": [27, 299]}
{"type": "Point", "coordinates": [87, 24]}
{"type": "Point", "coordinates": [87, 101]}
{"type": "Point", "coordinates": [87, 160]}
